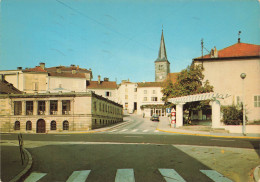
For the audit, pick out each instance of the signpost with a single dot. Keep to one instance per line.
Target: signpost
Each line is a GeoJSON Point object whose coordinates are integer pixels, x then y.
{"type": "Point", "coordinates": [173, 120]}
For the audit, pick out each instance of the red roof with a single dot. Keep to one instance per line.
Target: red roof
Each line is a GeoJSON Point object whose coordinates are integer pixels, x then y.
{"type": "Point", "coordinates": [36, 69]}
{"type": "Point", "coordinates": [70, 68]}
{"type": "Point", "coordinates": [8, 88]}
{"type": "Point", "coordinates": [67, 74]}
{"type": "Point", "coordinates": [150, 84]}
{"type": "Point", "coordinates": [237, 50]}
{"type": "Point", "coordinates": [173, 77]}
{"type": "Point", "coordinates": [101, 85]}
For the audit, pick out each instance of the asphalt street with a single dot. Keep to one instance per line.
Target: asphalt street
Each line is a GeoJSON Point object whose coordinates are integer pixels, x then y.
{"type": "Point", "coordinates": [138, 152]}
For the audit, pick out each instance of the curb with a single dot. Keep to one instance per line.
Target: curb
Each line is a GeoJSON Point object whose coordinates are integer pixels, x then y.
{"type": "Point", "coordinates": [207, 135]}
{"type": "Point", "coordinates": [256, 173]}
{"type": "Point", "coordinates": [97, 131]}
{"type": "Point", "coordinates": [26, 169]}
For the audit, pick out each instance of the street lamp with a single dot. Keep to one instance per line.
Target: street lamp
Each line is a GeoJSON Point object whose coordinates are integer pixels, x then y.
{"type": "Point", "coordinates": [243, 76]}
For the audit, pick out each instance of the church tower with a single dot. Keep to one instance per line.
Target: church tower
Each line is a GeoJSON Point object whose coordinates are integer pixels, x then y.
{"type": "Point", "coordinates": [162, 65]}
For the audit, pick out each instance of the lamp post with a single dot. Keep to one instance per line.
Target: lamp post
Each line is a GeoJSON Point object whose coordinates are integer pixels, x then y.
{"type": "Point", "coordinates": [243, 76]}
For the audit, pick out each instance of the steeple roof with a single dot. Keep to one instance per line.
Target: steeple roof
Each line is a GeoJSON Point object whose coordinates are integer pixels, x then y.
{"type": "Point", "coordinates": [162, 56]}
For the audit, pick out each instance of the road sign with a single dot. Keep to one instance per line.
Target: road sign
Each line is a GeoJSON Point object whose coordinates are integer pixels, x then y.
{"type": "Point", "coordinates": [173, 113]}
{"type": "Point", "coordinates": [168, 110]}
{"type": "Point", "coordinates": [173, 121]}
{"type": "Point", "coordinates": [173, 118]}
{"type": "Point", "coordinates": [173, 110]}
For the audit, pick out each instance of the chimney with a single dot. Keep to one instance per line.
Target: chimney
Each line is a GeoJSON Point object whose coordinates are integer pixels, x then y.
{"type": "Point", "coordinates": [98, 79]}
{"type": "Point", "coordinates": [2, 77]}
{"type": "Point", "coordinates": [19, 68]}
{"type": "Point", "coordinates": [72, 65]}
{"type": "Point", "coordinates": [215, 52]}
{"type": "Point", "coordinates": [106, 79]}
{"type": "Point", "coordinates": [238, 40]}
{"type": "Point", "coordinates": [58, 69]}
{"type": "Point", "coordinates": [42, 65]}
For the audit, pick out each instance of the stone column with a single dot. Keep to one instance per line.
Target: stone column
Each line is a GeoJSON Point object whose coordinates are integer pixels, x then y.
{"type": "Point", "coordinates": [215, 104]}
{"type": "Point", "coordinates": [47, 107]}
{"type": "Point", "coordinates": [59, 107]}
{"type": "Point", "coordinates": [179, 114]}
{"type": "Point", "coordinates": [200, 115]}
{"type": "Point", "coordinates": [23, 107]}
{"type": "Point", "coordinates": [35, 107]}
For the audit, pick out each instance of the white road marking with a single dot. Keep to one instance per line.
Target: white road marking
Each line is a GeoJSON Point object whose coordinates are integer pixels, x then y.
{"type": "Point", "coordinates": [62, 135]}
{"type": "Point", "coordinates": [125, 175]}
{"type": "Point", "coordinates": [134, 136]}
{"type": "Point", "coordinates": [224, 140]}
{"type": "Point", "coordinates": [145, 130]}
{"type": "Point", "coordinates": [170, 175]}
{"type": "Point", "coordinates": [156, 130]}
{"type": "Point", "coordinates": [33, 177]}
{"type": "Point", "coordinates": [134, 130]}
{"type": "Point", "coordinates": [79, 176]}
{"type": "Point", "coordinates": [113, 131]}
{"type": "Point", "coordinates": [123, 130]}
{"type": "Point", "coordinates": [215, 176]}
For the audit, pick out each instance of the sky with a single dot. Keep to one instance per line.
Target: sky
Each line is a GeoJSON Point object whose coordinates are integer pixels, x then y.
{"type": "Point", "coordinates": [120, 39]}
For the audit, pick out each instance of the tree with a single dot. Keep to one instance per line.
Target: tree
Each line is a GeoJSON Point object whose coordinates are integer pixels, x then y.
{"type": "Point", "coordinates": [189, 82]}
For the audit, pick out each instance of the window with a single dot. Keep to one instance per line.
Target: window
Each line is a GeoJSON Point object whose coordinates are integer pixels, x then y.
{"type": "Point", "coordinates": [53, 107]}
{"type": "Point", "coordinates": [154, 98]}
{"type": "Point", "coordinates": [126, 105]}
{"type": "Point", "coordinates": [257, 100]}
{"type": "Point", "coordinates": [126, 96]}
{"type": "Point", "coordinates": [66, 107]}
{"type": "Point", "coordinates": [94, 106]}
{"type": "Point", "coordinates": [65, 125]}
{"type": "Point", "coordinates": [126, 90]}
{"type": "Point", "coordinates": [135, 89]}
{"type": "Point", "coordinates": [160, 67]}
{"type": "Point", "coordinates": [35, 86]}
{"type": "Point", "coordinates": [145, 99]}
{"type": "Point", "coordinates": [17, 107]}
{"type": "Point", "coordinates": [17, 125]}
{"type": "Point", "coordinates": [154, 91]}
{"type": "Point", "coordinates": [145, 91]}
{"type": "Point", "coordinates": [108, 94]}
{"type": "Point", "coordinates": [29, 107]}
{"type": "Point", "coordinates": [41, 107]}
{"type": "Point", "coordinates": [28, 125]}
{"type": "Point", "coordinates": [53, 125]}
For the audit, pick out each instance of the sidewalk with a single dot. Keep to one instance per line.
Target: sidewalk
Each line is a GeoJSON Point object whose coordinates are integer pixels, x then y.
{"type": "Point", "coordinates": [11, 164]}
{"type": "Point", "coordinates": [164, 126]}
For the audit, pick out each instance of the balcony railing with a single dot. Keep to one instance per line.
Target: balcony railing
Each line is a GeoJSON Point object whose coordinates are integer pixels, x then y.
{"type": "Point", "coordinates": [65, 112]}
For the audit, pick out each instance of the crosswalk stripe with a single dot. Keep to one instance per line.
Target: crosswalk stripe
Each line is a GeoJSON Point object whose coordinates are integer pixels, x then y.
{"type": "Point", "coordinates": [124, 130]}
{"type": "Point", "coordinates": [134, 130]}
{"type": "Point", "coordinates": [33, 177]}
{"type": "Point", "coordinates": [112, 130]}
{"type": "Point", "coordinates": [215, 176]}
{"type": "Point", "coordinates": [170, 175]}
{"type": "Point", "coordinates": [156, 130]}
{"type": "Point", "coordinates": [145, 130]}
{"type": "Point", "coordinates": [125, 175]}
{"type": "Point", "coordinates": [79, 176]}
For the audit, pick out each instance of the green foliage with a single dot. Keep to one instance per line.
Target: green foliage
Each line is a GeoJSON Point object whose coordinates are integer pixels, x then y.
{"type": "Point", "coordinates": [232, 115]}
{"type": "Point", "coordinates": [189, 82]}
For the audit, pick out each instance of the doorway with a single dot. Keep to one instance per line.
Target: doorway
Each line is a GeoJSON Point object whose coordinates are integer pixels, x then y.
{"type": "Point", "coordinates": [41, 128]}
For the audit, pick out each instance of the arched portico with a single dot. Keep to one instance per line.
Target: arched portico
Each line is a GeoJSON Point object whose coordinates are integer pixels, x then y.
{"type": "Point", "coordinates": [215, 104]}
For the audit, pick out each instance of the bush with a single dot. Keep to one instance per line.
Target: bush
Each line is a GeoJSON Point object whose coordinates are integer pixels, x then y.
{"type": "Point", "coordinates": [232, 115]}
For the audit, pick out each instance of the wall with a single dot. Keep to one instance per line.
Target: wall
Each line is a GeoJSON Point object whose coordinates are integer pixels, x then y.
{"type": "Point", "coordinates": [31, 78]}
{"type": "Point", "coordinates": [224, 75]}
{"type": "Point", "coordinates": [70, 84]}
{"type": "Point", "coordinates": [127, 93]}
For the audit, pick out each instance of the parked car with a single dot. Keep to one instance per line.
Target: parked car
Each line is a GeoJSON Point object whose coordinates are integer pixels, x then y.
{"type": "Point", "coordinates": [154, 117]}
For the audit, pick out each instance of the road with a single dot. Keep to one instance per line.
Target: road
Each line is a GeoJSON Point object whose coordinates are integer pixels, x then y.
{"type": "Point", "coordinates": [137, 151]}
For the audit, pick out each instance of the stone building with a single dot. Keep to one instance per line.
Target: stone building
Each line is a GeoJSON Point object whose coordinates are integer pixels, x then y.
{"type": "Point", "coordinates": [162, 65]}
{"type": "Point", "coordinates": [106, 88]}
{"type": "Point", "coordinates": [223, 69]}
{"type": "Point", "coordinates": [127, 96]}
{"type": "Point", "coordinates": [52, 112]}
{"type": "Point", "coordinates": [42, 79]}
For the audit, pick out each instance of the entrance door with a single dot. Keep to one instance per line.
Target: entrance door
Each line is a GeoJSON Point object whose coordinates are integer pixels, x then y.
{"type": "Point", "coordinates": [135, 106]}
{"type": "Point", "coordinates": [40, 126]}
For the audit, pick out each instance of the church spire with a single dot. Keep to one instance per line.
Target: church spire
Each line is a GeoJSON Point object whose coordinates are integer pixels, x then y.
{"type": "Point", "coordinates": [162, 56]}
